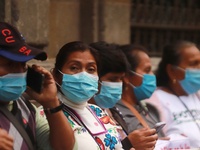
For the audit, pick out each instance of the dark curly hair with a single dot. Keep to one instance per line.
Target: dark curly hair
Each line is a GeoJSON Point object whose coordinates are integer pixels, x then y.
{"type": "Point", "coordinates": [112, 59]}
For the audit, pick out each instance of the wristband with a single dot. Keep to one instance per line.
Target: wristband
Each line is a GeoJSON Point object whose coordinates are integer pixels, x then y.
{"type": "Point", "coordinates": [126, 144]}
{"type": "Point", "coordinates": [53, 110]}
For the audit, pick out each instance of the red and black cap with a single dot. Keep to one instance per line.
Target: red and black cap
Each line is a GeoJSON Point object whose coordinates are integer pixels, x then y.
{"type": "Point", "coordinates": [14, 47]}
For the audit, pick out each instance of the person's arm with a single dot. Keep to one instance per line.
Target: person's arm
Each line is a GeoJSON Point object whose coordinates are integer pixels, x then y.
{"type": "Point", "coordinates": [61, 135]}
{"type": "Point", "coordinates": [142, 138]}
{"type": "Point", "coordinates": [60, 129]}
{"type": "Point", "coordinates": [6, 141]}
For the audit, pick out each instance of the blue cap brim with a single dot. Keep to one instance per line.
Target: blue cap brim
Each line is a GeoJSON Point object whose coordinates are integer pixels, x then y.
{"type": "Point", "coordinates": [16, 57]}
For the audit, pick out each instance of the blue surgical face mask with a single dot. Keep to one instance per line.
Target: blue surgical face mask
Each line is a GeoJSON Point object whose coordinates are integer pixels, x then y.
{"type": "Point", "coordinates": [109, 95]}
{"type": "Point", "coordinates": [80, 87]}
{"type": "Point", "coordinates": [191, 82]}
{"type": "Point", "coordinates": [146, 89]}
{"type": "Point", "coordinates": [12, 86]}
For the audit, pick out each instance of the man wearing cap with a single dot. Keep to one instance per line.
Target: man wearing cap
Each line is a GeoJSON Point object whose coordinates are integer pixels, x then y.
{"type": "Point", "coordinates": [40, 133]}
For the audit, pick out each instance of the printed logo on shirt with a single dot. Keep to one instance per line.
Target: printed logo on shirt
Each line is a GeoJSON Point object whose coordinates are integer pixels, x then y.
{"type": "Point", "coordinates": [185, 116]}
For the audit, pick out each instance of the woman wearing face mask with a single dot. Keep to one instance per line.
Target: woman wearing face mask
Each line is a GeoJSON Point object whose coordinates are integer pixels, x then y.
{"type": "Point", "coordinates": [139, 84]}
{"type": "Point", "coordinates": [114, 65]}
{"type": "Point", "coordinates": [76, 75]}
{"type": "Point", "coordinates": [178, 79]}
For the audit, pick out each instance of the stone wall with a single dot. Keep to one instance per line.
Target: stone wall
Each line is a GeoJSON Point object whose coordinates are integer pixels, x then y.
{"type": "Point", "coordinates": [49, 24]}
{"type": "Point", "coordinates": [31, 18]}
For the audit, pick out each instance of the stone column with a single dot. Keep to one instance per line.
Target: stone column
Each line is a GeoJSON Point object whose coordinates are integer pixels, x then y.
{"type": "Point", "coordinates": [115, 21]}
{"type": "Point", "coordinates": [107, 20]}
{"type": "Point", "coordinates": [64, 24]}
{"type": "Point", "coordinates": [89, 20]}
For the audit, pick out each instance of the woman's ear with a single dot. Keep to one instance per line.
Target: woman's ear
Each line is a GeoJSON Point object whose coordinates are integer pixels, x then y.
{"type": "Point", "coordinates": [57, 77]}
{"type": "Point", "coordinates": [171, 72]}
{"type": "Point", "coordinates": [174, 73]}
{"type": "Point", "coordinates": [53, 73]}
{"type": "Point", "coordinates": [125, 79]}
{"type": "Point", "coordinates": [125, 83]}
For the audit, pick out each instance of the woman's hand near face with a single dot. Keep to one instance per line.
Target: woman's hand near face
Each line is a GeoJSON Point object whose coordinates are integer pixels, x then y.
{"type": "Point", "coordinates": [6, 141]}
{"type": "Point", "coordinates": [59, 126]}
{"type": "Point", "coordinates": [143, 138]}
{"type": "Point", "coordinates": [48, 96]}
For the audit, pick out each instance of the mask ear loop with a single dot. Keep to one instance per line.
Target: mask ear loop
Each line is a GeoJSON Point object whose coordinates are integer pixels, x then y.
{"type": "Point", "coordinates": [135, 73]}
{"type": "Point", "coordinates": [57, 82]}
{"type": "Point", "coordinates": [98, 90]}
{"type": "Point", "coordinates": [60, 72]}
{"type": "Point", "coordinates": [132, 85]}
{"type": "Point", "coordinates": [177, 67]}
{"type": "Point", "coordinates": [174, 81]}
{"type": "Point", "coordinates": [100, 82]}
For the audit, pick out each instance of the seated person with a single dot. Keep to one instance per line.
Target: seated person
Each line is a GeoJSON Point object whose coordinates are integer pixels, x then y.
{"type": "Point", "coordinates": [178, 80]}
{"type": "Point", "coordinates": [76, 74]}
{"type": "Point", "coordinates": [138, 84]}
{"type": "Point", "coordinates": [114, 65]}
{"type": "Point", "coordinates": [21, 126]}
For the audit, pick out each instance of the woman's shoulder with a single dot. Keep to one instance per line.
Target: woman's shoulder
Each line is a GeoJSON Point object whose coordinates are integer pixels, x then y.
{"type": "Point", "coordinates": [160, 94]}
{"type": "Point", "coordinates": [159, 99]}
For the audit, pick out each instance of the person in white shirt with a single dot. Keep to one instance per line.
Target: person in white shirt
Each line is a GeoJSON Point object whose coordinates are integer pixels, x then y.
{"type": "Point", "coordinates": [178, 81]}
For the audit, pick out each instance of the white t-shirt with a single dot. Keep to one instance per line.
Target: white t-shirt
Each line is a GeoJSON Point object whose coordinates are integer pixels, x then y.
{"type": "Point", "coordinates": [177, 117]}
